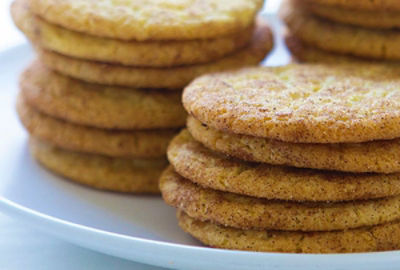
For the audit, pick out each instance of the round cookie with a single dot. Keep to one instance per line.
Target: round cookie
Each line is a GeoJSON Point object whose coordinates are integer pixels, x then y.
{"type": "Point", "coordinates": [245, 212]}
{"type": "Point", "coordinates": [386, 19]}
{"type": "Point", "coordinates": [145, 54]}
{"type": "Point", "coordinates": [171, 78]}
{"type": "Point", "coordinates": [374, 156]}
{"type": "Point", "coordinates": [375, 5]}
{"type": "Point", "coordinates": [100, 106]}
{"type": "Point", "coordinates": [152, 19]}
{"type": "Point", "coordinates": [340, 38]}
{"type": "Point", "coordinates": [304, 53]}
{"type": "Point", "coordinates": [301, 103]}
{"type": "Point", "coordinates": [116, 174]}
{"type": "Point", "coordinates": [376, 238]}
{"type": "Point", "coordinates": [216, 171]}
{"type": "Point", "coordinates": [139, 144]}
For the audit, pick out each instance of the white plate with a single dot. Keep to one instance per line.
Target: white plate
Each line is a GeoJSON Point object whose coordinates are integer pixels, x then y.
{"type": "Point", "coordinates": [139, 228]}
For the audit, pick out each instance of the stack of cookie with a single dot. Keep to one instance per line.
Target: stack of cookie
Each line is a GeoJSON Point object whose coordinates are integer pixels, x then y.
{"type": "Point", "coordinates": [103, 99]}
{"type": "Point", "coordinates": [338, 31]}
{"type": "Point", "coordinates": [301, 158]}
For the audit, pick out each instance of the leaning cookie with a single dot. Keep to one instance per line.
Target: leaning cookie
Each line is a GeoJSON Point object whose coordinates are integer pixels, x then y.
{"type": "Point", "coordinates": [115, 174]}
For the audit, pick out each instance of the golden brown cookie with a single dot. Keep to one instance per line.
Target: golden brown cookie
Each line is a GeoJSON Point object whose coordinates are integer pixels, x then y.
{"type": "Point", "coordinates": [213, 170]}
{"type": "Point", "coordinates": [145, 54]}
{"type": "Point", "coordinates": [340, 38]}
{"type": "Point", "coordinates": [246, 212]}
{"type": "Point", "coordinates": [139, 144]}
{"type": "Point", "coordinates": [376, 238]}
{"type": "Point", "coordinates": [304, 53]}
{"type": "Point", "coordinates": [374, 5]}
{"type": "Point", "coordinates": [171, 78]}
{"type": "Point", "coordinates": [374, 156]}
{"type": "Point", "coordinates": [150, 20]}
{"type": "Point", "coordinates": [98, 105]}
{"type": "Point", "coordinates": [301, 103]}
{"type": "Point", "coordinates": [384, 19]}
{"type": "Point", "coordinates": [116, 174]}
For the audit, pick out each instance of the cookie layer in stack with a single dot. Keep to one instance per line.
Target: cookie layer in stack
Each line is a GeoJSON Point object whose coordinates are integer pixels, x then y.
{"type": "Point", "coordinates": [102, 101]}
{"type": "Point", "coordinates": [301, 158]}
{"type": "Point", "coordinates": [337, 31]}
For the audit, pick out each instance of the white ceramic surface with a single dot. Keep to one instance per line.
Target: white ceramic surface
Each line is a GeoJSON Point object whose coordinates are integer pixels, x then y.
{"type": "Point", "coordinates": [139, 228]}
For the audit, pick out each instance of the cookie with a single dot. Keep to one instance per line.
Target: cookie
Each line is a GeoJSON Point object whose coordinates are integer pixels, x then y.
{"type": "Point", "coordinates": [214, 170]}
{"type": "Point", "coordinates": [175, 77]}
{"type": "Point", "coordinates": [246, 212]}
{"type": "Point", "coordinates": [100, 106]}
{"type": "Point", "coordinates": [150, 20]}
{"type": "Point", "coordinates": [385, 19]}
{"type": "Point", "coordinates": [374, 156]}
{"type": "Point", "coordinates": [301, 103]}
{"type": "Point", "coordinates": [124, 143]}
{"type": "Point", "coordinates": [375, 5]}
{"type": "Point", "coordinates": [304, 53]}
{"type": "Point", "coordinates": [377, 238]}
{"type": "Point", "coordinates": [340, 38]}
{"type": "Point", "coordinates": [116, 174]}
{"type": "Point", "coordinates": [145, 54]}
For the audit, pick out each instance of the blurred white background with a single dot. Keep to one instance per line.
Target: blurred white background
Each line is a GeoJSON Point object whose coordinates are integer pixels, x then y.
{"type": "Point", "coordinates": [10, 36]}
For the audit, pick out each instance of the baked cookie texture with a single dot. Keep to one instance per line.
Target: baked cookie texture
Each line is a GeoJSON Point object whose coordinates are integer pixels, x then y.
{"type": "Point", "coordinates": [113, 143]}
{"type": "Point", "coordinates": [103, 99]}
{"type": "Point", "coordinates": [304, 53]}
{"type": "Point", "coordinates": [380, 19]}
{"type": "Point", "coordinates": [301, 103]}
{"type": "Point", "coordinates": [169, 78]}
{"type": "Point", "coordinates": [116, 174]}
{"type": "Point", "coordinates": [340, 38]}
{"type": "Point", "coordinates": [145, 54]}
{"type": "Point", "coordinates": [233, 175]}
{"type": "Point", "coordinates": [100, 106]}
{"type": "Point", "coordinates": [150, 20]}
{"type": "Point", "coordinates": [375, 5]}
{"type": "Point", "coordinates": [374, 156]}
{"type": "Point", "coordinates": [376, 238]}
{"type": "Point", "coordinates": [216, 171]}
{"type": "Point", "coordinates": [245, 213]}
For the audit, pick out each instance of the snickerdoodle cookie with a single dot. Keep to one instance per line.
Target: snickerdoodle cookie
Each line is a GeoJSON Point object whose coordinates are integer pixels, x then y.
{"type": "Point", "coordinates": [116, 174]}
{"type": "Point", "coordinates": [214, 170]}
{"type": "Point", "coordinates": [375, 156]}
{"type": "Point", "coordinates": [366, 239]}
{"type": "Point", "coordinates": [98, 105]}
{"type": "Point", "coordinates": [340, 103]}
{"type": "Point", "coordinates": [134, 53]}
{"type": "Point", "coordinates": [151, 19]}
{"type": "Point", "coordinates": [170, 78]}
{"type": "Point", "coordinates": [114, 143]}
{"type": "Point", "coordinates": [246, 212]}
